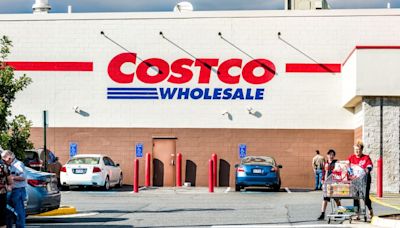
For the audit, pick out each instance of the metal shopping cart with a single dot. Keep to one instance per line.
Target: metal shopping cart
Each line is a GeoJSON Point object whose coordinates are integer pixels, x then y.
{"type": "Point", "coordinates": [338, 188]}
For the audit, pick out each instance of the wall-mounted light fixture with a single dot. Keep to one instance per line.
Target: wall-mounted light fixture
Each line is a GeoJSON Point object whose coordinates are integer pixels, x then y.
{"type": "Point", "coordinates": [251, 110]}
{"type": "Point", "coordinates": [76, 109]}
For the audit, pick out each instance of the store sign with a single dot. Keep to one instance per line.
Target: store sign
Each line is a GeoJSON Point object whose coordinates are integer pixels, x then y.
{"type": "Point", "coordinates": [154, 71]}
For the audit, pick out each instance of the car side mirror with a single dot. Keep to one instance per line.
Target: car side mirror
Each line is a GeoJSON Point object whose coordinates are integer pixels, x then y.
{"type": "Point", "coordinates": [280, 166]}
{"type": "Point", "coordinates": [117, 165]}
{"type": "Point", "coordinates": [236, 165]}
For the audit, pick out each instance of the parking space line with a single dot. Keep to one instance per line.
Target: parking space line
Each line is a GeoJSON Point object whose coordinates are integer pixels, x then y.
{"type": "Point", "coordinates": [288, 190]}
{"type": "Point", "coordinates": [283, 226]}
{"type": "Point", "coordinates": [227, 189]}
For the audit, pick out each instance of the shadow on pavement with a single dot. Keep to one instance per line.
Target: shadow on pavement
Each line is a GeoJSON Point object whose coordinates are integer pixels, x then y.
{"type": "Point", "coordinates": [84, 226]}
{"type": "Point", "coordinates": [162, 211]}
{"type": "Point", "coordinates": [125, 188]}
{"type": "Point", "coordinates": [261, 189]}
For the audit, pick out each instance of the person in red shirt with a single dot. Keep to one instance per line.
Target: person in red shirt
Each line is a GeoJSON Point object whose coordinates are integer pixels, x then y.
{"type": "Point", "coordinates": [364, 161]}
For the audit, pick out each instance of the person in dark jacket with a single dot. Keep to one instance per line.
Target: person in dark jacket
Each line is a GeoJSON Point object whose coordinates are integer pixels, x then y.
{"type": "Point", "coordinates": [329, 166]}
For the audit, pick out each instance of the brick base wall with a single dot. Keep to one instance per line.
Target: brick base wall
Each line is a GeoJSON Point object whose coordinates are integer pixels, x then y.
{"type": "Point", "coordinates": [293, 149]}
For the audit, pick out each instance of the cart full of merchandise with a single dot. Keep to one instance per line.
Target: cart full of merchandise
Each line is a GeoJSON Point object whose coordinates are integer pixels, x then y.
{"type": "Point", "coordinates": [346, 182]}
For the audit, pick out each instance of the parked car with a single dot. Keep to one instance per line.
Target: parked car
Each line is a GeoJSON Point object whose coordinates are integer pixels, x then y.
{"type": "Point", "coordinates": [91, 170]}
{"type": "Point", "coordinates": [35, 158]}
{"type": "Point", "coordinates": [258, 171]}
{"type": "Point", "coordinates": [42, 191]}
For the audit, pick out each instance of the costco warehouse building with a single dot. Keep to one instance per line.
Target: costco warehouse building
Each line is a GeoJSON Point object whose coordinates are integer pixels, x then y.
{"type": "Point", "coordinates": [283, 83]}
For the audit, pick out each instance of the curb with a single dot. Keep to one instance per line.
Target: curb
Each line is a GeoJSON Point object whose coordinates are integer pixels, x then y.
{"type": "Point", "coordinates": [63, 210]}
{"type": "Point", "coordinates": [376, 200]}
{"type": "Point", "coordinates": [382, 222]}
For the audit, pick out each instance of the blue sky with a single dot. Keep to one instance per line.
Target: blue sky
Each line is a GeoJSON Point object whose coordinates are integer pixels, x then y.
{"type": "Point", "coordinates": [60, 6]}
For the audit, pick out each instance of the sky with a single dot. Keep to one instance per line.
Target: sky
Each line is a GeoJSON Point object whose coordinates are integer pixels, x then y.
{"type": "Point", "coordinates": [60, 6]}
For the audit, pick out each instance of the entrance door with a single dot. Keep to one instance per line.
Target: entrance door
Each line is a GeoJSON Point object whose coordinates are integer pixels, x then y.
{"type": "Point", "coordinates": [164, 162]}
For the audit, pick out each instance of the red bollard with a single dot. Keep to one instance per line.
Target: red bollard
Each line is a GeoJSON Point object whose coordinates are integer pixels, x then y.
{"type": "Point", "coordinates": [147, 170]}
{"type": "Point", "coordinates": [215, 161]}
{"type": "Point", "coordinates": [136, 176]}
{"type": "Point", "coordinates": [179, 170]}
{"type": "Point", "coordinates": [379, 178]}
{"type": "Point", "coordinates": [210, 176]}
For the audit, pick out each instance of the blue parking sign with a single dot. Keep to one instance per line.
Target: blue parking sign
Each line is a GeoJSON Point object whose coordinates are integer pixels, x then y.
{"type": "Point", "coordinates": [139, 150]}
{"type": "Point", "coordinates": [242, 150]}
{"type": "Point", "coordinates": [73, 149]}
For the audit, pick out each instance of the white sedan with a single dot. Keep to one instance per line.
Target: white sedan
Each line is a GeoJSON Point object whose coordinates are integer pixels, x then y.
{"type": "Point", "coordinates": [91, 170]}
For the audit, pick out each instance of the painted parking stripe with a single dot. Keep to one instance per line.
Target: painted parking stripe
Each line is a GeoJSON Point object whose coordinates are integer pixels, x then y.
{"type": "Point", "coordinates": [288, 190]}
{"type": "Point", "coordinates": [283, 226]}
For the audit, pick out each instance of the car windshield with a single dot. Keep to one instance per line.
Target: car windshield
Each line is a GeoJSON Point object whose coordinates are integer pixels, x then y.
{"type": "Point", "coordinates": [84, 160]}
{"type": "Point", "coordinates": [258, 161]}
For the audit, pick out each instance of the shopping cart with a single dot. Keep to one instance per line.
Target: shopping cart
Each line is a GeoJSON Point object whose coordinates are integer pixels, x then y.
{"type": "Point", "coordinates": [336, 187]}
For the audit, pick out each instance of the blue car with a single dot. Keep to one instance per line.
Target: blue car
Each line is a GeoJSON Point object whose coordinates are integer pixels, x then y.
{"type": "Point", "coordinates": [260, 171]}
{"type": "Point", "coordinates": [42, 191]}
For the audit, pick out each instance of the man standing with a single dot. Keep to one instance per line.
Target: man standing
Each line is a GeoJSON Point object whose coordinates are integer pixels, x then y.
{"type": "Point", "coordinates": [5, 185]}
{"type": "Point", "coordinates": [318, 164]}
{"type": "Point", "coordinates": [18, 194]}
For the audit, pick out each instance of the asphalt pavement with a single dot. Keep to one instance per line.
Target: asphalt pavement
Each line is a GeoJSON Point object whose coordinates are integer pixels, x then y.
{"type": "Point", "coordinates": [193, 207]}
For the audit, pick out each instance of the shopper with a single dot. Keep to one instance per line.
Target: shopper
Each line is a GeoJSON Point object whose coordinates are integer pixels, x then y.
{"type": "Point", "coordinates": [18, 193]}
{"type": "Point", "coordinates": [55, 168]}
{"type": "Point", "coordinates": [5, 184]}
{"type": "Point", "coordinates": [364, 161]}
{"type": "Point", "coordinates": [317, 164]}
{"type": "Point", "coordinates": [329, 166]}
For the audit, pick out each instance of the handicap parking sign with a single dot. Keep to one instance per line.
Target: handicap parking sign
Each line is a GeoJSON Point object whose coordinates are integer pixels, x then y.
{"type": "Point", "coordinates": [139, 150]}
{"type": "Point", "coordinates": [73, 149]}
{"type": "Point", "coordinates": [242, 150]}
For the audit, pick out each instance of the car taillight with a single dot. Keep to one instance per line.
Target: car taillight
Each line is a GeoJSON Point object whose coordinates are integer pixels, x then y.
{"type": "Point", "coordinates": [63, 169]}
{"type": "Point", "coordinates": [240, 170]}
{"type": "Point", "coordinates": [35, 164]}
{"type": "Point", "coordinates": [37, 183]}
{"type": "Point", "coordinates": [96, 170]}
{"type": "Point", "coordinates": [274, 169]}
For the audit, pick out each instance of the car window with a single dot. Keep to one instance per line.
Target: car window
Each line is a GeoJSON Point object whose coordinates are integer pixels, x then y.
{"type": "Point", "coordinates": [258, 161]}
{"type": "Point", "coordinates": [84, 160]}
{"type": "Point", "coordinates": [111, 161]}
{"type": "Point", "coordinates": [31, 155]}
{"type": "Point", "coordinates": [105, 160]}
{"type": "Point", "coordinates": [108, 161]}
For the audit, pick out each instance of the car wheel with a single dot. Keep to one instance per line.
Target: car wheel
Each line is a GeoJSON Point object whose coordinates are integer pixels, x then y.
{"type": "Point", "coordinates": [64, 188]}
{"type": "Point", "coordinates": [277, 187]}
{"type": "Point", "coordinates": [120, 181]}
{"type": "Point", "coordinates": [107, 184]}
{"type": "Point", "coordinates": [237, 188]}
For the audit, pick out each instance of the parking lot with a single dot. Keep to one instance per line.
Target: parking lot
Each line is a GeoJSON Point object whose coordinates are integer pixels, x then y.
{"type": "Point", "coordinates": [190, 207]}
